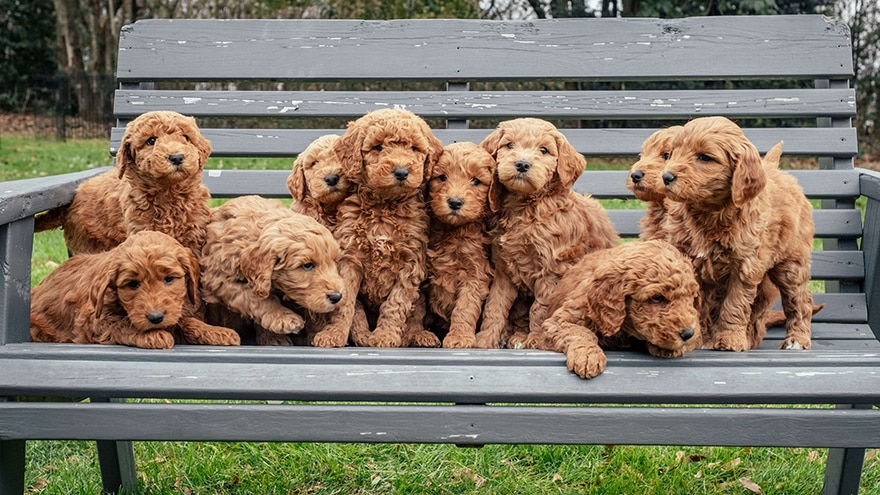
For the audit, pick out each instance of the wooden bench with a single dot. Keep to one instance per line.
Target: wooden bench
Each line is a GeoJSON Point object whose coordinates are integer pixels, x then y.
{"type": "Point", "coordinates": [608, 83]}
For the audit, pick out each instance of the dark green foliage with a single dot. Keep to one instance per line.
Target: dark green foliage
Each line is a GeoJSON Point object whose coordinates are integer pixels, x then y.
{"type": "Point", "coordinates": [27, 41]}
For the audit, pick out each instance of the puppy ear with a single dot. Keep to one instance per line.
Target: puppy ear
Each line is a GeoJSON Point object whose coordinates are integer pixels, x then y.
{"type": "Point", "coordinates": [569, 164]}
{"type": "Point", "coordinates": [296, 181]}
{"type": "Point", "coordinates": [257, 266]}
{"type": "Point", "coordinates": [348, 150]}
{"type": "Point", "coordinates": [105, 281]}
{"type": "Point", "coordinates": [493, 141]}
{"type": "Point", "coordinates": [125, 155]}
{"type": "Point", "coordinates": [606, 299]}
{"type": "Point", "coordinates": [496, 190]}
{"type": "Point", "coordinates": [434, 151]}
{"type": "Point", "coordinates": [190, 265]}
{"type": "Point", "coordinates": [749, 177]}
{"type": "Point", "coordinates": [201, 143]}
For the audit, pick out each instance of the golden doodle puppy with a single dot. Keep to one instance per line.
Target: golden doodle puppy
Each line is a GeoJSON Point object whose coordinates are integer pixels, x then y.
{"type": "Point", "coordinates": [462, 194]}
{"type": "Point", "coordinates": [140, 293]}
{"type": "Point", "coordinates": [317, 183]}
{"type": "Point", "coordinates": [542, 227]}
{"type": "Point", "coordinates": [745, 225]}
{"type": "Point", "coordinates": [639, 290]}
{"type": "Point", "coordinates": [646, 184]}
{"type": "Point", "coordinates": [382, 228]}
{"type": "Point", "coordinates": [260, 255]}
{"type": "Point", "coordinates": [156, 185]}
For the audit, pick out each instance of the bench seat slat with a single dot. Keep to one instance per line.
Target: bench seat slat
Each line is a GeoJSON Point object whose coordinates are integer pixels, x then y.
{"type": "Point", "coordinates": [498, 104]}
{"type": "Point", "coordinates": [316, 49]}
{"type": "Point", "coordinates": [833, 377]}
{"type": "Point", "coordinates": [591, 142]}
{"type": "Point", "coordinates": [462, 425]}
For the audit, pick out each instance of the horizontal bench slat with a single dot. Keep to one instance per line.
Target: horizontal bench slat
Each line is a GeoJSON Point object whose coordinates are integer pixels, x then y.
{"type": "Point", "coordinates": [498, 104]}
{"type": "Point", "coordinates": [461, 425]}
{"type": "Point", "coordinates": [591, 142]}
{"type": "Point", "coordinates": [701, 377]}
{"type": "Point", "coordinates": [472, 49]}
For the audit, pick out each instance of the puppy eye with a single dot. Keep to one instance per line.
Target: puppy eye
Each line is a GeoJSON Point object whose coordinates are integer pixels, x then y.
{"type": "Point", "coordinates": [666, 156]}
{"type": "Point", "coordinates": [509, 145]}
{"type": "Point", "coordinates": [658, 299]}
{"type": "Point", "coordinates": [133, 285]}
{"type": "Point", "coordinates": [415, 149]}
{"type": "Point", "coordinates": [378, 147]}
{"type": "Point", "coordinates": [544, 150]}
{"type": "Point", "coordinates": [186, 137]}
{"type": "Point", "coordinates": [442, 177]}
{"type": "Point", "coordinates": [308, 266]}
{"type": "Point", "coordinates": [151, 141]}
{"type": "Point", "coordinates": [704, 158]}
{"type": "Point", "coordinates": [169, 280]}
{"type": "Point", "coordinates": [475, 181]}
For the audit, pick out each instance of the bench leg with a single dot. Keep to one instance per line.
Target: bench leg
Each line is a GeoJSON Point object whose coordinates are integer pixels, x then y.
{"type": "Point", "coordinates": [116, 459]}
{"type": "Point", "coordinates": [117, 466]}
{"type": "Point", "coordinates": [11, 467]}
{"type": "Point", "coordinates": [843, 471]}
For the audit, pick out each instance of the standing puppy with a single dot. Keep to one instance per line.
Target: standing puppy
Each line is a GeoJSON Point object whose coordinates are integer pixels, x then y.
{"type": "Point", "coordinates": [382, 227]}
{"type": "Point", "coordinates": [740, 222]}
{"type": "Point", "coordinates": [542, 226]}
{"type": "Point", "coordinates": [462, 194]}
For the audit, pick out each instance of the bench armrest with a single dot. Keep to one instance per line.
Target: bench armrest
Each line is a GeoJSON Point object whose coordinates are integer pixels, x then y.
{"type": "Point", "coordinates": [20, 199]}
{"type": "Point", "coordinates": [869, 186]}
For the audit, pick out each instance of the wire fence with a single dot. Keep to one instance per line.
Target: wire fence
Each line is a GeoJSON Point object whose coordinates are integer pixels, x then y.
{"type": "Point", "coordinates": [58, 106]}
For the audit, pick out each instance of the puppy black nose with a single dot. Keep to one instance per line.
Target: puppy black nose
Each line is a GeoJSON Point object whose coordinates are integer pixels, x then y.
{"type": "Point", "coordinates": [668, 178]}
{"type": "Point", "coordinates": [637, 176]}
{"type": "Point", "coordinates": [686, 334]}
{"type": "Point", "coordinates": [176, 159]}
{"type": "Point", "coordinates": [334, 297]}
{"type": "Point", "coordinates": [454, 203]}
{"type": "Point", "coordinates": [331, 179]}
{"type": "Point", "coordinates": [522, 166]}
{"type": "Point", "coordinates": [401, 174]}
{"type": "Point", "coordinates": [155, 317]}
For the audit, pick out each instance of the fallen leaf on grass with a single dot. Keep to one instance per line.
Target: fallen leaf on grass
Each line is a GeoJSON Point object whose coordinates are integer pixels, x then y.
{"type": "Point", "coordinates": [751, 486]}
{"type": "Point", "coordinates": [813, 455]}
{"type": "Point", "coordinates": [557, 477]}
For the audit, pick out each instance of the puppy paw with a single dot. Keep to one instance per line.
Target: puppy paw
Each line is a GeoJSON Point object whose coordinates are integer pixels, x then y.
{"type": "Point", "coordinates": [283, 322]}
{"type": "Point", "coordinates": [587, 362]}
{"type": "Point", "coordinates": [519, 340]}
{"type": "Point", "coordinates": [459, 340]}
{"type": "Point", "coordinates": [222, 336]}
{"type": "Point", "coordinates": [795, 343]}
{"type": "Point", "coordinates": [423, 338]}
{"type": "Point", "coordinates": [730, 341]}
{"type": "Point", "coordinates": [264, 337]}
{"type": "Point", "coordinates": [330, 337]}
{"type": "Point", "coordinates": [157, 339]}
{"type": "Point", "coordinates": [485, 341]}
{"type": "Point", "coordinates": [386, 337]}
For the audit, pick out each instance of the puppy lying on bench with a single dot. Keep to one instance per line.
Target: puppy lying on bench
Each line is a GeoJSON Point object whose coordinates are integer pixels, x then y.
{"type": "Point", "coordinates": [645, 291]}
{"type": "Point", "coordinates": [142, 293]}
{"type": "Point", "coordinates": [259, 257]}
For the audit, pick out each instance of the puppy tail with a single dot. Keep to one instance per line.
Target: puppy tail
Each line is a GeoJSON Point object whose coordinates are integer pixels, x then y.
{"type": "Point", "coordinates": [51, 219]}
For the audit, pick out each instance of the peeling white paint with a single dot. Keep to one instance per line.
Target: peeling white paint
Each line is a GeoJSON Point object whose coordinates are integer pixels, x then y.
{"type": "Point", "coordinates": [191, 101]}
{"type": "Point", "coordinates": [503, 35]}
{"type": "Point", "coordinates": [287, 109]}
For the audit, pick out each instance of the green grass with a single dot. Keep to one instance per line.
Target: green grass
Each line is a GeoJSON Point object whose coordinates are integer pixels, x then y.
{"type": "Point", "coordinates": [60, 467]}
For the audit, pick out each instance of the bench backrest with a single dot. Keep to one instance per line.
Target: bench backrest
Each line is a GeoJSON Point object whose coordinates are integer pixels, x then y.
{"type": "Point", "coordinates": [267, 88]}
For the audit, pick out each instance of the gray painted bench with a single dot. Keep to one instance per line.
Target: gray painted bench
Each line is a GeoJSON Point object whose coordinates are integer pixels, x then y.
{"type": "Point", "coordinates": [465, 75]}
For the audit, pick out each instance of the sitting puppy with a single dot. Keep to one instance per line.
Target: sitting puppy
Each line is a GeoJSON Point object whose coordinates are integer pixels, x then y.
{"type": "Point", "coordinates": [646, 184]}
{"type": "Point", "coordinates": [462, 193]}
{"type": "Point", "coordinates": [317, 183]}
{"type": "Point", "coordinates": [744, 225]}
{"type": "Point", "coordinates": [259, 255]}
{"type": "Point", "coordinates": [382, 228]}
{"type": "Point", "coordinates": [639, 290]}
{"type": "Point", "coordinates": [542, 226]}
{"type": "Point", "coordinates": [156, 185]}
{"type": "Point", "coordinates": [140, 293]}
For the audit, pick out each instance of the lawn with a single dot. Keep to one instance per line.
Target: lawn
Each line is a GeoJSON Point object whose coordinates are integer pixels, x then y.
{"type": "Point", "coordinates": [269, 468]}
